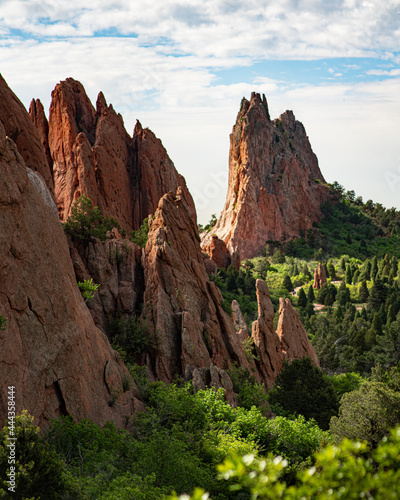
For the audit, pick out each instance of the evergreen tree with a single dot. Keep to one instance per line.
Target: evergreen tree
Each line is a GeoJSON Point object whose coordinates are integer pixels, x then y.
{"type": "Point", "coordinates": [343, 295]}
{"type": "Point", "coordinates": [374, 268]}
{"type": "Point", "coordinates": [302, 302]}
{"type": "Point", "coordinates": [329, 300]}
{"type": "Point", "coordinates": [331, 270]}
{"type": "Point", "coordinates": [363, 293]}
{"type": "Point", "coordinates": [287, 283]}
{"type": "Point", "coordinates": [278, 257]}
{"type": "Point", "coordinates": [349, 274]}
{"type": "Point", "coordinates": [377, 295]}
{"type": "Point", "coordinates": [310, 294]}
{"type": "Point", "coordinates": [306, 271]}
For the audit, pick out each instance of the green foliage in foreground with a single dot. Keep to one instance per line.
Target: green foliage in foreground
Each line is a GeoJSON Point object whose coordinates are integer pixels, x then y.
{"type": "Point", "coordinates": [39, 471]}
{"type": "Point", "coordinates": [173, 446]}
{"type": "Point", "coordinates": [86, 221]}
{"type": "Point", "coordinates": [342, 472]}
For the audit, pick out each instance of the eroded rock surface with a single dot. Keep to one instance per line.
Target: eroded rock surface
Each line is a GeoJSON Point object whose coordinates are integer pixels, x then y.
{"type": "Point", "coordinates": [294, 340]}
{"type": "Point", "coordinates": [182, 305]}
{"type": "Point", "coordinates": [51, 351]}
{"type": "Point", "coordinates": [93, 155]}
{"type": "Point", "coordinates": [275, 185]}
{"type": "Point", "coordinates": [19, 127]}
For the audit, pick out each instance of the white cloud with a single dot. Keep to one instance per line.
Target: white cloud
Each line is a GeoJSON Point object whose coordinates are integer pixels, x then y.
{"type": "Point", "coordinates": [380, 72]}
{"type": "Point", "coordinates": [353, 127]}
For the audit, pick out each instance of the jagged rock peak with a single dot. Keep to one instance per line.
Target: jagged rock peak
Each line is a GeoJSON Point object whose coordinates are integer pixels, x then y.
{"type": "Point", "coordinates": [275, 186]}
{"type": "Point", "coordinates": [182, 306]}
{"type": "Point", "coordinates": [19, 127]}
{"type": "Point", "coordinates": [294, 339]}
{"type": "Point", "coordinates": [93, 155]}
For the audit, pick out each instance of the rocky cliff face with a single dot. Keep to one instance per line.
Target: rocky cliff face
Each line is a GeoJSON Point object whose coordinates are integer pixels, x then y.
{"type": "Point", "coordinates": [182, 306]}
{"type": "Point", "coordinates": [92, 154]}
{"type": "Point", "coordinates": [19, 127]}
{"type": "Point", "coordinates": [51, 351]}
{"type": "Point", "coordinates": [274, 187]}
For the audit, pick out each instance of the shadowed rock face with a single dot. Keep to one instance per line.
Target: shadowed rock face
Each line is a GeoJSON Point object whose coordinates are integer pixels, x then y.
{"type": "Point", "coordinates": [19, 127]}
{"type": "Point", "coordinates": [181, 306]}
{"type": "Point", "coordinates": [92, 154]}
{"type": "Point", "coordinates": [274, 187]}
{"type": "Point", "coordinates": [51, 351]}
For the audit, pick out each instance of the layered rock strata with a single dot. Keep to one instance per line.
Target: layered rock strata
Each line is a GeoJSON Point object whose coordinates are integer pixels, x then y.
{"type": "Point", "coordinates": [275, 186]}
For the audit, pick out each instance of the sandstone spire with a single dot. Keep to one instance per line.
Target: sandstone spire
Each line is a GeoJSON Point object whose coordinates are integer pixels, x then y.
{"type": "Point", "coordinates": [275, 185]}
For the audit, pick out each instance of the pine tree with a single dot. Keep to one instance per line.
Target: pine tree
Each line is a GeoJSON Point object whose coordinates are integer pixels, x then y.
{"type": "Point", "coordinates": [310, 294]}
{"type": "Point", "coordinates": [349, 274]}
{"type": "Point", "coordinates": [302, 302]}
{"type": "Point", "coordinates": [287, 283]}
{"type": "Point", "coordinates": [363, 293]}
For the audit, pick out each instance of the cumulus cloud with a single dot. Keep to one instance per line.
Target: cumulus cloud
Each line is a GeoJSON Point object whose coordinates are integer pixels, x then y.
{"type": "Point", "coordinates": [221, 28]}
{"type": "Point", "coordinates": [159, 63]}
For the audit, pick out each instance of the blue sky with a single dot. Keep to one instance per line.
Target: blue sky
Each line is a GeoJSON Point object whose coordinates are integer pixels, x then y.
{"type": "Point", "coordinates": [182, 67]}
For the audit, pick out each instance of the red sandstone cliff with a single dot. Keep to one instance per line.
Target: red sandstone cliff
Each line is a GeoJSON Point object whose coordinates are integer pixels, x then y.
{"type": "Point", "coordinates": [92, 154]}
{"type": "Point", "coordinates": [51, 351]}
{"type": "Point", "coordinates": [19, 127]}
{"type": "Point", "coordinates": [274, 187]}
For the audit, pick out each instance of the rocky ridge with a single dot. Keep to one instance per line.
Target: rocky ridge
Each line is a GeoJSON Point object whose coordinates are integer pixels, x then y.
{"type": "Point", "coordinates": [54, 349]}
{"type": "Point", "coordinates": [93, 155]}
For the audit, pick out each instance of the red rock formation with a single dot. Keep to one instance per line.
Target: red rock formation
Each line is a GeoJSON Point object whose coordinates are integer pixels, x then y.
{"type": "Point", "coordinates": [266, 340]}
{"type": "Point", "coordinates": [319, 276]}
{"type": "Point", "coordinates": [51, 351]}
{"type": "Point", "coordinates": [115, 265]}
{"type": "Point", "coordinates": [294, 340]}
{"type": "Point", "coordinates": [218, 252]}
{"type": "Point", "coordinates": [19, 127]}
{"type": "Point", "coordinates": [290, 341]}
{"type": "Point", "coordinates": [239, 321]}
{"type": "Point", "coordinates": [95, 156]}
{"type": "Point", "coordinates": [37, 114]}
{"type": "Point", "coordinates": [274, 187]}
{"type": "Point", "coordinates": [181, 306]}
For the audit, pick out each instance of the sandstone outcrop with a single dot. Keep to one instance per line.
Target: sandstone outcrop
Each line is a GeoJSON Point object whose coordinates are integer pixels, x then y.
{"type": "Point", "coordinates": [294, 340]}
{"type": "Point", "coordinates": [19, 127]}
{"type": "Point", "coordinates": [181, 305]}
{"type": "Point", "coordinates": [115, 265]}
{"type": "Point", "coordinates": [218, 252]}
{"type": "Point", "coordinates": [51, 351]}
{"type": "Point", "coordinates": [93, 155]}
{"type": "Point", "coordinates": [319, 276]}
{"type": "Point", "coordinates": [275, 185]}
{"type": "Point", "coordinates": [266, 340]}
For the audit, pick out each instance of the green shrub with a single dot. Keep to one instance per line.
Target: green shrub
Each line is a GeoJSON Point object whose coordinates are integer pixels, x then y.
{"type": "Point", "coordinates": [39, 472]}
{"type": "Point", "coordinates": [88, 288]}
{"type": "Point", "coordinates": [86, 222]}
{"type": "Point", "coordinates": [249, 392]}
{"type": "Point", "coordinates": [3, 322]}
{"type": "Point", "coordinates": [302, 388]}
{"type": "Point", "coordinates": [141, 236]}
{"type": "Point", "coordinates": [130, 336]}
